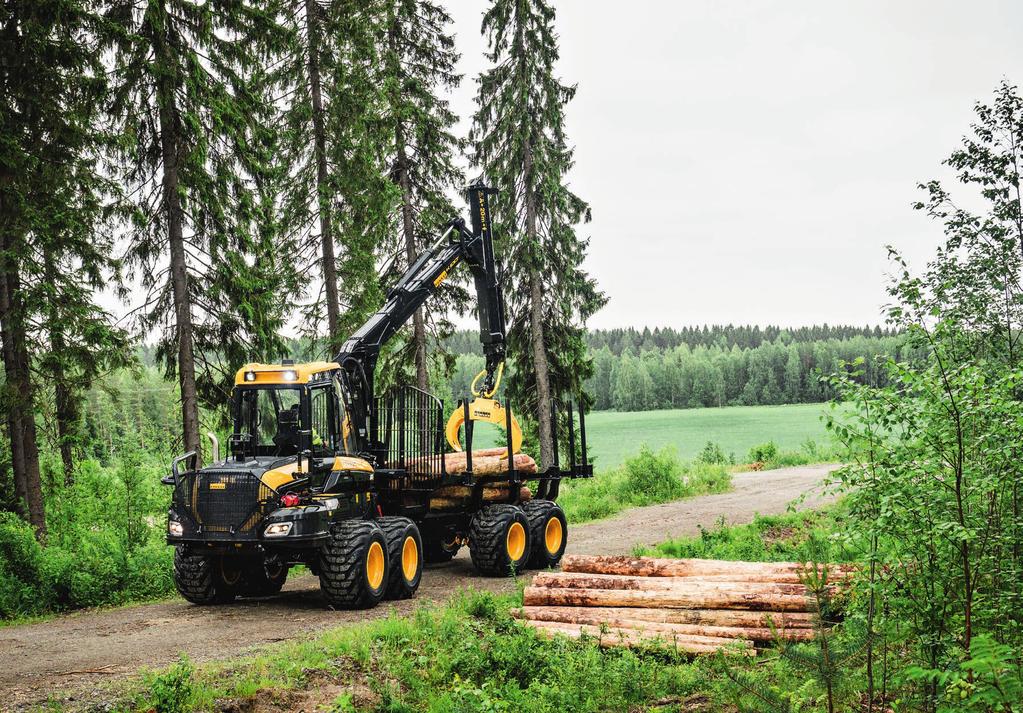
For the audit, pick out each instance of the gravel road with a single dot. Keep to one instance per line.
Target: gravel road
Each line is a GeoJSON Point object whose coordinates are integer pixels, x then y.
{"type": "Point", "coordinates": [71, 655]}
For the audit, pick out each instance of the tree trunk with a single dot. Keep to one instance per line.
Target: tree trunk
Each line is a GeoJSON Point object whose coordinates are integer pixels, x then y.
{"type": "Point", "coordinates": [541, 365]}
{"type": "Point", "coordinates": [408, 228]}
{"type": "Point", "coordinates": [66, 411]}
{"type": "Point", "coordinates": [782, 621]}
{"type": "Point", "coordinates": [20, 417]}
{"type": "Point", "coordinates": [328, 261]}
{"type": "Point", "coordinates": [683, 599]}
{"type": "Point", "coordinates": [170, 154]}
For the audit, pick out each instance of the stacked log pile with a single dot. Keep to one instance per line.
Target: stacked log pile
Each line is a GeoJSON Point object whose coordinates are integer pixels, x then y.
{"type": "Point", "coordinates": [485, 461]}
{"type": "Point", "coordinates": [693, 605]}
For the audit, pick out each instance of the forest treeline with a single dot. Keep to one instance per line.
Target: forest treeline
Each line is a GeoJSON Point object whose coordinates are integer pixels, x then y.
{"type": "Point", "coordinates": [693, 367]}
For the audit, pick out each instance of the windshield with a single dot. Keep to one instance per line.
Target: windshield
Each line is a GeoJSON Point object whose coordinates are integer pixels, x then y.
{"type": "Point", "coordinates": [270, 419]}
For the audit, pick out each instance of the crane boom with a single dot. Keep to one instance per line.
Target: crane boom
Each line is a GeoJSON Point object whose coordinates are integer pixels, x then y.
{"type": "Point", "coordinates": [359, 353]}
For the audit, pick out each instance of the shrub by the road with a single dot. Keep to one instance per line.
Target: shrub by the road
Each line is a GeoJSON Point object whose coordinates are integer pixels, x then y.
{"type": "Point", "coordinates": [647, 478]}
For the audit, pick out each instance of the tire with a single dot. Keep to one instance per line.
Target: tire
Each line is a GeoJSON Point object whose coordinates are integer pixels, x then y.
{"type": "Point", "coordinates": [353, 565]}
{"type": "Point", "coordinates": [499, 540]}
{"type": "Point", "coordinates": [404, 554]}
{"type": "Point", "coordinates": [439, 546]}
{"type": "Point", "coordinates": [263, 579]}
{"type": "Point", "coordinates": [548, 531]}
{"type": "Point", "coordinates": [206, 579]}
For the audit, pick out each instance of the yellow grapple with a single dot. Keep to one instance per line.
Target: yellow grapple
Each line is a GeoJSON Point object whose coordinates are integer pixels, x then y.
{"type": "Point", "coordinates": [484, 408]}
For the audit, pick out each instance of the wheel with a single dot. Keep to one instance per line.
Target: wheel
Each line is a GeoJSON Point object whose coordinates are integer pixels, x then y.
{"type": "Point", "coordinates": [548, 531]}
{"type": "Point", "coordinates": [263, 578]}
{"type": "Point", "coordinates": [499, 540]}
{"type": "Point", "coordinates": [440, 546]}
{"type": "Point", "coordinates": [404, 554]}
{"type": "Point", "coordinates": [353, 565]}
{"type": "Point", "coordinates": [206, 579]}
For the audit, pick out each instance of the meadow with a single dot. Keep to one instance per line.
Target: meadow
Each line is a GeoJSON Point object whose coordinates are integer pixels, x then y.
{"type": "Point", "coordinates": [613, 436]}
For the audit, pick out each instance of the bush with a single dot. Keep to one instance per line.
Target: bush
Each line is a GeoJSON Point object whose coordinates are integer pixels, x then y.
{"type": "Point", "coordinates": [763, 453]}
{"type": "Point", "coordinates": [713, 454]}
{"type": "Point", "coordinates": [654, 476]}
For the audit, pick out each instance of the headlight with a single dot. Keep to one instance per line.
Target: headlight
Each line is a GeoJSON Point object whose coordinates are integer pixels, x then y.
{"type": "Point", "coordinates": [278, 529]}
{"type": "Point", "coordinates": [174, 528]}
{"type": "Point", "coordinates": [290, 375]}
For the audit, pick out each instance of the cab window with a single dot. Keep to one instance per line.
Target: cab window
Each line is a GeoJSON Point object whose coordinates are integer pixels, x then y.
{"type": "Point", "coordinates": [323, 432]}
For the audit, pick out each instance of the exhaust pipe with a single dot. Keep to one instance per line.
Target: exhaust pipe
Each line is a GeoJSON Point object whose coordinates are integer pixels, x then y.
{"type": "Point", "coordinates": [216, 446]}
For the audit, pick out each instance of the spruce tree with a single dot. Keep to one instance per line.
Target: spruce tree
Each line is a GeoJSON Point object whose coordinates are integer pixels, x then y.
{"type": "Point", "coordinates": [183, 103]}
{"type": "Point", "coordinates": [520, 143]}
{"type": "Point", "coordinates": [52, 197]}
{"type": "Point", "coordinates": [334, 140]}
{"type": "Point", "coordinates": [419, 64]}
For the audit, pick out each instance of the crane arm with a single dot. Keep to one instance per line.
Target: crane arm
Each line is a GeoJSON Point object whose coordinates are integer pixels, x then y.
{"type": "Point", "coordinates": [475, 247]}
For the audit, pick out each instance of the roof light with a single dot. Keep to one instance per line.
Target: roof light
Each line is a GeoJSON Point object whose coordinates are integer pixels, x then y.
{"type": "Point", "coordinates": [250, 376]}
{"type": "Point", "coordinates": [290, 375]}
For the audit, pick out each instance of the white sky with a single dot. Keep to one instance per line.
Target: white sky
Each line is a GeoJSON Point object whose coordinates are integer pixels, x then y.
{"type": "Point", "coordinates": [747, 162]}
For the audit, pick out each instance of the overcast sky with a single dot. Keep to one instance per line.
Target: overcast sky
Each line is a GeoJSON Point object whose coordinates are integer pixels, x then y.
{"type": "Point", "coordinates": [746, 162]}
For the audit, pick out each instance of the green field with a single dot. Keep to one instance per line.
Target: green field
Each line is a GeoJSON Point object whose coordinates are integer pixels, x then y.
{"type": "Point", "coordinates": [613, 436]}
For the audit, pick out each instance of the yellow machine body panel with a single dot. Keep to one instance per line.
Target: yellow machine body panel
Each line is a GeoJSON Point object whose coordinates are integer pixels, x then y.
{"type": "Point", "coordinates": [289, 471]}
{"type": "Point", "coordinates": [282, 373]}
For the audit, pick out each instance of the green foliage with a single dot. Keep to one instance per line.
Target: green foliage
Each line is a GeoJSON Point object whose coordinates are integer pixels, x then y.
{"type": "Point", "coordinates": [170, 691]}
{"type": "Point", "coordinates": [105, 544]}
{"type": "Point", "coordinates": [763, 452]}
{"type": "Point", "coordinates": [713, 454]}
{"type": "Point", "coordinates": [647, 478]}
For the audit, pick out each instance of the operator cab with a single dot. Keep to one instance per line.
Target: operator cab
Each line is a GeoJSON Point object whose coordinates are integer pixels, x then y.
{"type": "Point", "coordinates": [284, 410]}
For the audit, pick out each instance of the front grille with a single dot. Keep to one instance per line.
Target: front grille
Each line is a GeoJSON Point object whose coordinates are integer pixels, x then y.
{"type": "Point", "coordinates": [223, 501]}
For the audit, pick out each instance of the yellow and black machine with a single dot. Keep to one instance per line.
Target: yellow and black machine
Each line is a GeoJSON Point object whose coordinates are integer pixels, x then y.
{"type": "Point", "coordinates": [324, 472]}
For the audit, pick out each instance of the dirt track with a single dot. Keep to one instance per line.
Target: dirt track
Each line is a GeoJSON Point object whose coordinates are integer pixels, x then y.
{"type": "Point", "coordinates": [72, 654]}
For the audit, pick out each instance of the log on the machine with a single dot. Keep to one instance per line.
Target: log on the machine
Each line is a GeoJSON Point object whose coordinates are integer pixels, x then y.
{"type": "Point", "coordinates": [658, 567]}
{"type": "Point", "coordinates": [624, 620]}
{"type": "Point", "coordinates": [462, 498]}
{"type": "Point", "coordinates": [487, 463]}
{"type": "Point", "coordinates": [578, 580]}
{"type": "Point", "coordinates": [786, 621]}
{"type": "Point", "coordinates": [695, 598]}
{"type": "Point", "coordinates": [613, 636]}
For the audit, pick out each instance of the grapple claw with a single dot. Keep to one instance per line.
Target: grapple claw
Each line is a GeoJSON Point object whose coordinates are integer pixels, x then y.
{"type": "Point", "coordinates": [489, 411]}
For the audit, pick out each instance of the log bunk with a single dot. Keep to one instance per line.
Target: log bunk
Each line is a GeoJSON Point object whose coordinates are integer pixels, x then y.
{"type": "Point", "coordinates": [693, 605]}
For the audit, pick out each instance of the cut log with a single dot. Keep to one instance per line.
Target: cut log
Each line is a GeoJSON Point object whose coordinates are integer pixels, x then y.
{"type": "Point", "coordinates": [658, 567]}
{"type": "Point", "coordinates": [591, 617]}
{"type": "Point", "coordinates": [455, 463]}
{"type": "Point", "coordinates": [490, 495]}
{"type": "Point", "coordinates": [610, 637]}
{"type": "Point", "coordinates": [577, 580]}
{"type": "Point", "coordinates": [705, 617]}
{"type": "Point", "coordinates": [695, 598]}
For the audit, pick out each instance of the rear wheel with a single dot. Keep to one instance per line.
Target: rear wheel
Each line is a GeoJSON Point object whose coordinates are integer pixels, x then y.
{"type": "Point", "coordinates": [549, 530]}
{"type": "Point", "coordinates": [206, 579]}
{"type": "Point", "coordinates": [499, 540]}
{"type": "Point", "coordinates": [263, 578]}
{"type": "Point", "coordinates": [353, 565]}
{"type": "Point", "coordinates": [405, 555]}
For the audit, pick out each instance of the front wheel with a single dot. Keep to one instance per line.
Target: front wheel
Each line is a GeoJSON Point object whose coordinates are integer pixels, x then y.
{"type": "Point", "coordinates": [353, 565]}
{"type": "Point", "coordinates": [206, 579]}
{"type": "Point", "coordinates": [499, 541]}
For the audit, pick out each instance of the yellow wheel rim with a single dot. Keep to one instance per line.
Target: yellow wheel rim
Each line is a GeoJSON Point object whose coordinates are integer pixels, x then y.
{"type": "Point", "coordinates": [409, 559]}
{"type": "Point", "coordinates": [516, 541]}
{"type": "Point", "coordinates": [553, 535]}
{"type": "Point", "coordinates": [375, 565]}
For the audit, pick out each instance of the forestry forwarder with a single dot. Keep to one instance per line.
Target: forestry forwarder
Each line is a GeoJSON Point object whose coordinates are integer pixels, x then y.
{"type": "Point", "coordinates": [324, 473]}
